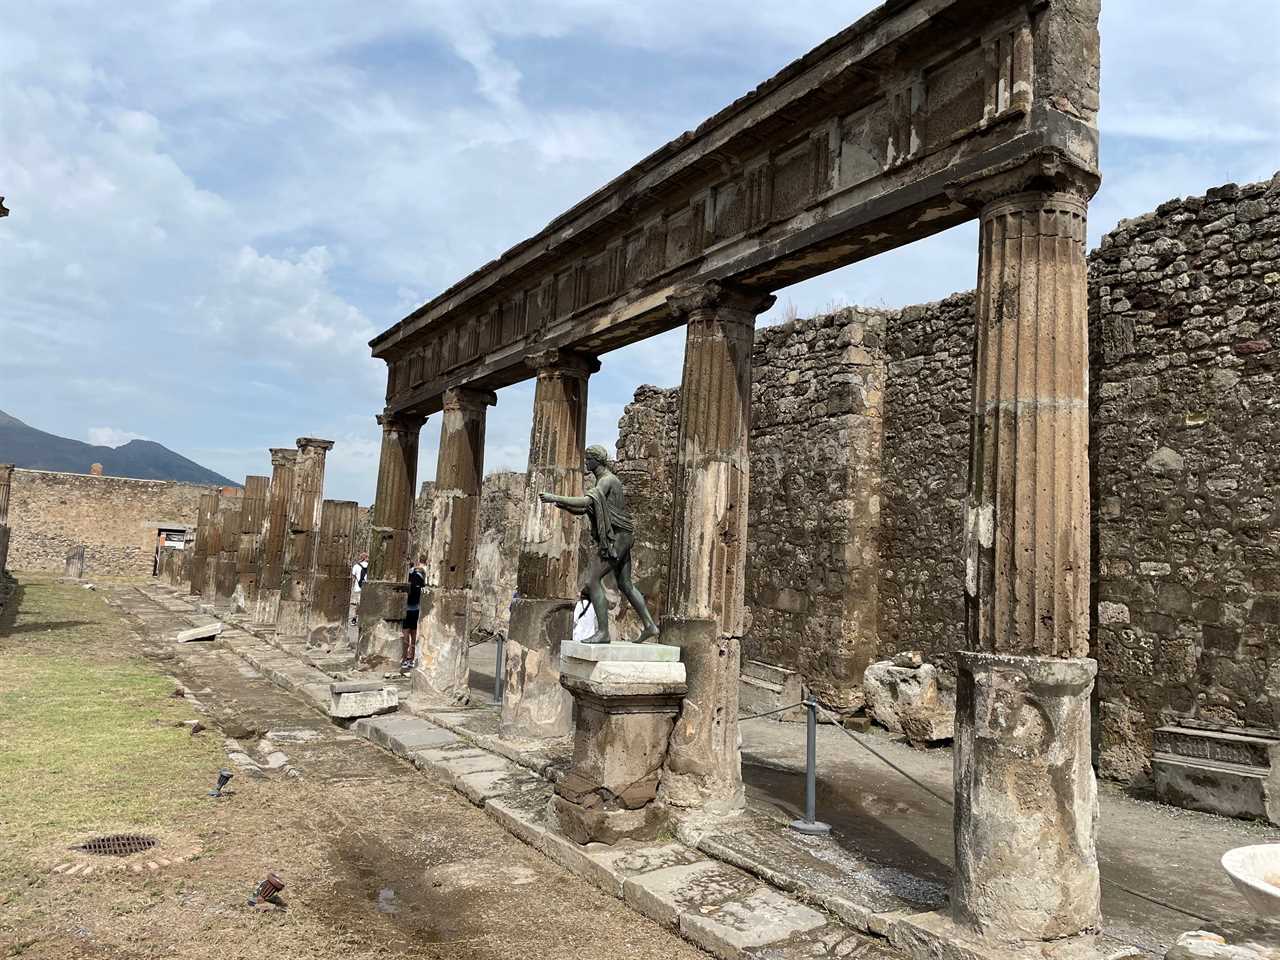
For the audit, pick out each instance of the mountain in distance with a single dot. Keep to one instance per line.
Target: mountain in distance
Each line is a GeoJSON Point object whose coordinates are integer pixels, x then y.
{"type": "Point", "coordinates": [34, 449]}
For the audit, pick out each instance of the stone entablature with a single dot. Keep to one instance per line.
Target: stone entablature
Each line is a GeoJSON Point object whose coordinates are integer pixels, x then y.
{"type": "Point", "coordinates": [845, 153]}
{"type": "Point", "coordinates": [116, 518]}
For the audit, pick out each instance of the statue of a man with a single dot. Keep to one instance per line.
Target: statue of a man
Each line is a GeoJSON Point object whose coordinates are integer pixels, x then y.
{"type": "Point", "coordinates": [613, 531]}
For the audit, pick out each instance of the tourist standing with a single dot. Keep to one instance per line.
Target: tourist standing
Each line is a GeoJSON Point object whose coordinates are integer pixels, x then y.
{"type": "Point", "coordinates": [417, 580]}
{"type": "Point", "coordinates": [359, 573]}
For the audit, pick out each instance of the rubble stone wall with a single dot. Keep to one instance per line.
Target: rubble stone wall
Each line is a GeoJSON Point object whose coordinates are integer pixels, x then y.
{"type": "Point", "coordinates": [1185, 328]}
{"type": "Point", "coordinates": [116, 518]}
{"type": "Point", "coordinates": [497, 546]}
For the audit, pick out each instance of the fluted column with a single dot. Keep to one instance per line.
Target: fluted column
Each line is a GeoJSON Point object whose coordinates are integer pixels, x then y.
{"type": "Point", "coordinates": [275, 524]}
{"type": "Point", "coordinates": [6, 481]}
{"type": "Point", "coordinates": [205, 512]}
{"type": "Point", "coordinates": [1026, 799]}
{"type": "Point", "coordinates": [705, 597]}
{"type": "Point", "coordinates": [6, 476]}
{"type": "Point", "coordinates": [534, 704]}
{"type": "Point", "coordinates": [331, 593]}
{"type": "Point", "coordinates": [305, 504]}
{"type": "Point", "coordinates": [227, 531]}
{"type": "Point", "coordinates": [253, 510]}
{"type": "Point", "coordinates": [382, 598]}
{"type": "Point", "coordinates": [455, 517]}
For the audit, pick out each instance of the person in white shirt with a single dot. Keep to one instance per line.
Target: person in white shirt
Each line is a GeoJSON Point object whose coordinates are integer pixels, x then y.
{"type": "Point", "coordinates": [359, 571]}
{"type": "Point", "coordinates": [584, 618]}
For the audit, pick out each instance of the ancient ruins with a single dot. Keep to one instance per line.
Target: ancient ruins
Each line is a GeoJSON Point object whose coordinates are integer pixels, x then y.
{"type": "Point", "coordinates": [1036, 520]}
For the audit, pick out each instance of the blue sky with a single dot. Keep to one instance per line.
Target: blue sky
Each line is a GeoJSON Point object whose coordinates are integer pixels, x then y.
{"type": "Point", "coordinates": [216, 205]}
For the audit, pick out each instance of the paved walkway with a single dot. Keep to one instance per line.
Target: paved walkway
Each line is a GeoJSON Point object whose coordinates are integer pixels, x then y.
{"type": "Point", "coordinates": [891, 849]}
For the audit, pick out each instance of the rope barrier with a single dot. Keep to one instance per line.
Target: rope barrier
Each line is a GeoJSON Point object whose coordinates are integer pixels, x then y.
{"type": "Point", "coordinates": [770, 713]}
{"type": "Point", "coordinates": [950, 803]}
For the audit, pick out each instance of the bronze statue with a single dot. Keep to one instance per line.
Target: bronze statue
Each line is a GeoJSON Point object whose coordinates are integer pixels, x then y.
{"type": "Point", "coordinates": [613, 530]}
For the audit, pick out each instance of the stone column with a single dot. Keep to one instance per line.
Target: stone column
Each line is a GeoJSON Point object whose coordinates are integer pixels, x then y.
{"type": "Point", "coordinates": [253, 510]}
{"type": "Point", "coordinates": [455, 517]}
{"type": "Point", "coordinates": [6, 476]}
{"type": "Point", "coordinates": [382, 598]}
{"type": "Point", "coordinates": [705, 609]}
{"type": "Point", "coordinates": [534, 703]}
{"type": "Point", "coordinates": [1026, 800]}
{"type": "Point", "coordinates": [331, 595]}
{"type": "Point", "coordinates": [305, 504]}
{"type": "Point", "coordinates": [227, 530]}
{"type": "Point", "coordinates": [275, 523]}
{"type": "Point", "coordinates": [205, 512]}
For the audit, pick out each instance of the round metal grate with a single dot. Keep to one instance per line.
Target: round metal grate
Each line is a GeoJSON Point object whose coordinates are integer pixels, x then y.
{"type": "Point", "coordinates": [117, 845]}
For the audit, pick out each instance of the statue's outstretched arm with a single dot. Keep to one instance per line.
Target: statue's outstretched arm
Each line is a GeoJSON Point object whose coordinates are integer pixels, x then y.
{"type": "Point", "coordinates": [576, 505]}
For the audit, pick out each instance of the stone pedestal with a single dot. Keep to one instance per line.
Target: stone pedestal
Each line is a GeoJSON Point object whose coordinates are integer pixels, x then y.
{"type": "Point", "coordinates": [534, 703]}
{"type": "Point", "coordinates": [1026, 800]}
{"type": "Point", "coordinates": [627, 696]}
{"type": "Point", "coordinates": [349, 700]}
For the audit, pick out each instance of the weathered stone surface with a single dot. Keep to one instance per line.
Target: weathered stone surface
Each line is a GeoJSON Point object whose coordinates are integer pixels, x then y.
{"type": "Point", "coordinates": [306, 504]}
{"type": "Point", "coordinates": [910, 700]}
{"type": "Point", "coordinates": [274, 534]}
{"type": "Point", "coordinates": [253, 512]}
{"type": "Point", "coordinates": [736, 926]}
{"type": "Point", "coordinates": [1204, 945]}
{"type": "Point", "coordinates": [1026, 800]}
{"type": "Point", "coordinates": [205, 631]}
{"type": "Point", "coordinates": [665, 893]}
{"type": "Point", "coordinates": [620, 651]}
{"type": "Point", "coordinates": [534, 704]}
{"type": "Point", "coordinates": [621, 737]}
{"type": "Point", "coordinates": [348, 700]}
{"type": "Point", "coordinates": [114, 518]}
{"type": "Point", "coordinates": [330, 600]}
{"type": "Point", "coordinates": [442, 632]}
{"type": "Point", "coordinates": [1228, 773]}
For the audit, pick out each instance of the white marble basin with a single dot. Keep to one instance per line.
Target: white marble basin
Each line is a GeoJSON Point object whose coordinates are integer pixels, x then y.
{"type": "Point", "coordinates": [1255, 871]}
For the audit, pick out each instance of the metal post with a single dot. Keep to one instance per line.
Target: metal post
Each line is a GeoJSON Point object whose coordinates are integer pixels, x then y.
{"type": "Point", "coordinates": [499, 668]}
{"type": "Point", "coordinates": [810, 824]}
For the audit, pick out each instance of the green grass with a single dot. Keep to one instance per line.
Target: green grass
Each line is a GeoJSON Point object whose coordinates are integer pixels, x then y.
{"type": "Point", "coordinates": [88, 740]}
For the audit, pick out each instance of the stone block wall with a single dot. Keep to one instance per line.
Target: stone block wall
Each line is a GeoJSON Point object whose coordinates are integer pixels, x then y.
{"type": "Point", "coordinates": [116, 518]}
{"type": "Point", "coordinates": [1185, 328]}
{"type": "Point", "coordinates": [925, 466]}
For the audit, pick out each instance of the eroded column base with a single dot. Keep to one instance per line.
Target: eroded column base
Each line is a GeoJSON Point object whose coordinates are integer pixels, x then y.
{"type": "Point", "coordinates": [267, 607]}
{"type": "Point", "coordinates": [704, 764]}
{"type": "Point", "coordinates": [534, 704]}
{"type": "Point", "coordinates": [381, 618]}
{"type": "Point", "coordinates": [625, 712]}
{"type": "Point", "coordinates": [291, 619]}
{"type": "Point", "coordinates": [1026, 799]}
{"type": "Point", "coordinates": [443, 659]}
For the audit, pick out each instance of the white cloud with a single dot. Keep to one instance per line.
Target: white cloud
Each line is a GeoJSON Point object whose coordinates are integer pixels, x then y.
{"type": "Point", "coordinates": [112, 437]}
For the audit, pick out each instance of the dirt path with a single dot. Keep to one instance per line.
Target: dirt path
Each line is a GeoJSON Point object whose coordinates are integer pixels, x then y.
{"type": "Point", "coordinates": [378, 860]}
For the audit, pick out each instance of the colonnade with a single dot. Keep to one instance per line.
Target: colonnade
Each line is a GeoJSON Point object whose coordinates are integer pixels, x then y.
{"type": "Point", "coordinates": [1026, 865]}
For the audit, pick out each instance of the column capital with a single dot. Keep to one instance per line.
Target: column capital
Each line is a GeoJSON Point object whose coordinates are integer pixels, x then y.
{"type": "Point", "coordinates": [692, 298]}
{"type": "Point", "coordinates": [282, 456]}
{"type": "Point", "coordinates": [1048, 170]}
{"type": "Point", "coordinates": [315, 443]}
{"type": "Point", "coordinates": [468, 399]}
{"type": "Point", "coordinates": [563, 362]}
{"type": "Point", "coordinates": [390, 420]}
{"type": "Point", "coordinates": [6, 469]}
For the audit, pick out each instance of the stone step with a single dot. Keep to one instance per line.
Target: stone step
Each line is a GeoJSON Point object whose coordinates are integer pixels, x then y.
{"type": "Point", "coordinates": [1232, 773]}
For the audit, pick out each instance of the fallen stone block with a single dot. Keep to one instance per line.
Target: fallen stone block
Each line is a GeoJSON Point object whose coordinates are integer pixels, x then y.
{"type": "Point", "coordinates": [910, 700]}
{"type": "Point", "coordinates": [206, 631]}
{"type": "Point", "coordinates": [355, 699]}
{"type": "Point", "coordinates": [762, 918]}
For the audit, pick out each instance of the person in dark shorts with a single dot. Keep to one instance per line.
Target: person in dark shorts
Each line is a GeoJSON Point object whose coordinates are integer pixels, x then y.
{"type": "Point", "coordinates": [417, 580]}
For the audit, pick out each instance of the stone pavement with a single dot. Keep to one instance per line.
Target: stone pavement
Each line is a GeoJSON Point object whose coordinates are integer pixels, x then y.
{"type": "Point", "coordinates": [884, 872]}
{"type": "Point", "coordinates": [722, 909]}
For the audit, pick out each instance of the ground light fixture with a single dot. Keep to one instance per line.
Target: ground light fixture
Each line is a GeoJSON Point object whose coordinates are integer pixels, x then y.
{"type": "Point", "coordinates": [267, 889]}
{"type": "Point", "coordinates": [223, 776]}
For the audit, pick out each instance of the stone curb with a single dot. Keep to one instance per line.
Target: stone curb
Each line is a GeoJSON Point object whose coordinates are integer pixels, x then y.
{"type": "Point", "coordinates": [720, 900]}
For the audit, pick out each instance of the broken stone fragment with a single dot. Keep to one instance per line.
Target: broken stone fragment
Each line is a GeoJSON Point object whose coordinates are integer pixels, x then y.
{"type": "Point", "coordinates": [205, 631]}
{"type": "Point", "coordinates": [910, 701]}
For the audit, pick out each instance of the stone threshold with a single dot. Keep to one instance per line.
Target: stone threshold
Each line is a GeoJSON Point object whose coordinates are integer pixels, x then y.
{"type": "Point", "coordinates": [737, 887]}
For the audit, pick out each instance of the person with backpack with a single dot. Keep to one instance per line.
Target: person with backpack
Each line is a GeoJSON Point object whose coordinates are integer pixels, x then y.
{"type": "Point", "coordinates": [413, 604]}
{"type": "Point", "coordinates": [359, 574]}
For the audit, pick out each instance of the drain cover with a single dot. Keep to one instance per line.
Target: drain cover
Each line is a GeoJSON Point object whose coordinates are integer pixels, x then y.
{"type": "Point", "coordinates": [117, 844]}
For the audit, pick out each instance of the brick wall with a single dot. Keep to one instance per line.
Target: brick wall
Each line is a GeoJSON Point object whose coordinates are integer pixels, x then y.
{"type": "Point", "coordinates": [114, 517]}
